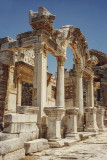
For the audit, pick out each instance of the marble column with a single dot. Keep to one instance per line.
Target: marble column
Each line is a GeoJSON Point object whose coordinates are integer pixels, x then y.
{"type": "Point", "coordinates": [71, 121]}
{"type": "Point", "coordinates": [40, 82]}
{"type": "Point", "coordinates": [54, 115]}
{"type": "Point", "coordinates": [91, 123]}
{"type": "Point", "coordinates": [11, 90]}
{"type": "Point", "coordinates": [100, 119]}
{"type": "Point", "coordinates": [60, 82]}
{"type": "Point", "coordinates": [90, 93]}
{"type": "Point", "coordinates": [79, 99]}
{"type": "Point", "coordinates": [19, 91]}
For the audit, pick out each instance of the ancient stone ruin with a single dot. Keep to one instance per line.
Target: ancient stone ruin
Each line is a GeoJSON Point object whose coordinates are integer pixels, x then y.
{"type": "Point", "coordinates": [37, 110]}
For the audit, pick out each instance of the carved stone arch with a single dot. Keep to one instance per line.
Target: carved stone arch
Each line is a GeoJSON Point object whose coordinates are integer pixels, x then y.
{"type": "Point", "coordinates": [73, 37]}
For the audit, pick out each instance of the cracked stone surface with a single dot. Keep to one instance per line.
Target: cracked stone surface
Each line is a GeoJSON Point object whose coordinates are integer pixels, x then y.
{"type": "Point", "coordinates": [94, 148]}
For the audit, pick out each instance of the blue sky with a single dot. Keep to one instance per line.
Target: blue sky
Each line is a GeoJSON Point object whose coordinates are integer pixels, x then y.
{"type": "Point", "coordinates": [88, 15]}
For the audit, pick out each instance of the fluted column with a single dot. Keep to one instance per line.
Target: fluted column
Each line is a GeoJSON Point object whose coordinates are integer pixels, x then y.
{"type": "Point", "coordinates": [40, 80]}
{"type": "Point", "coordinates": [79, 98]}
{"type": "Point", "coordinates": [60, 82]}
{"type": "Point", "coordinates": [90, 93]}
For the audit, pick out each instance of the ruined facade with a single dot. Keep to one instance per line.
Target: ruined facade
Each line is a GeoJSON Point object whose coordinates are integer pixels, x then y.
{"type": "Point", "coordinates": [31, 99]}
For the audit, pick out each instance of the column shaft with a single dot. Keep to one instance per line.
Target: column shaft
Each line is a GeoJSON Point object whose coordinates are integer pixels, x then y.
{"type": "Point", "coordinates": [79, 93]}
{"type": "Point", "coordinates": [79, 100]}
{"type": "Point", "coordinates": [40, 82]}
{"type": "Point", "coordinates": [19, 92]}
{"type": "Point", "coordinates": [11, 90]}
{"type": "Point", "coordinates": [60, 82]}
{"type": "Point", "coordinates": [90, 94]}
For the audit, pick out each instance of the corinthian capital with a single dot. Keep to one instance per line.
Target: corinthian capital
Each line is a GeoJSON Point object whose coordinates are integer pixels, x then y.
{"type": "Point", "coordinates": [60, 61]}
{"type": "Point", "coordinates": [41, 49]}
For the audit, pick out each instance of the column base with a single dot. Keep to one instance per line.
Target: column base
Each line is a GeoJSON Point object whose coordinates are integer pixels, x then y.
{"type": "Point", "coordinates": [91, 130]}
{"type": "Point", "coordinates": [56, 143]}
{"type": "Point", "coordinates": [102, 129]}
{"type": "Point", "coordinates": [73, 136]}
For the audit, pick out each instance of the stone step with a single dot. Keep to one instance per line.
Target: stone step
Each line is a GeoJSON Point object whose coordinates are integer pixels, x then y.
{"type": "Point", "coordinates": [16, 155]}
{"type": "Point", "coordinates": [25, 137]}
{"type": "Point", "coordinates": [21, 128]}
{"type": "Point", "coordinates": [56, 143]}
{"type": "Point", "coordinates": [11, 145]}
{"type": "Point", "coordinates": [36, 146]}
{"type": "Point", "coordinates": [18, 118]}
{"type": "Point", "coordinates": [7, 136]}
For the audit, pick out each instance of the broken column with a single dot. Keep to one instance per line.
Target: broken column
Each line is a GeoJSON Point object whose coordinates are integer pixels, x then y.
{"type": "Point", "coordinates": [100, 119]}
{"type": "Point", "coordinates": [71, 121]}
{"type": "Point", "coordinates": [91, 124]}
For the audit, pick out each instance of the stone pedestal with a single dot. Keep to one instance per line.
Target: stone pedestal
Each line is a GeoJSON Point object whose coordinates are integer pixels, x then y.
{"type": "Point", "coordinates": [54, 121]}
{"type": "Point", "coordinates": [100, 119]}
{"type": "Point", "coordinates": [91, 124]}
{"type": "Point", "coordinates": [71, 121]}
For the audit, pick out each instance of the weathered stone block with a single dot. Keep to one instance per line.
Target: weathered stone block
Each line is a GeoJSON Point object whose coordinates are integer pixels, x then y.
{"type": "Point", "coordinates": [56, 144]}
{"type": "Point", "coordinates": [11, 145]}
{"type": "Point", "coordinates": [16, 155]}
{"type": "Point", "coordinates": [35, 135]}
{"type": "Point", "coordinates": [27, 109]}
{"type": "Point", "coordinates": [14, 117]}
{"type": "Point", "coordinates": [21, 128]}
{"type": "Point", "coordinates": [26, 136]}
{"type": "Point", "coordinates": [6, 57]}
{"type": "Point", "coordinates": [7, 136]}
{"type": "Point", "coordinates": [36, 145]}
{"type": "Point", "coordinates": [30, 146]}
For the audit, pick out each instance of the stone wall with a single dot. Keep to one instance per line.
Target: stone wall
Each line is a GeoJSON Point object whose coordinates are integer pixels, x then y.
{"type": "Point", "coordinates": [101, 77]}
{"type": "Point", "coordinates": [3, 90]}
{"type": "Point", "coordinates": [27, 90]}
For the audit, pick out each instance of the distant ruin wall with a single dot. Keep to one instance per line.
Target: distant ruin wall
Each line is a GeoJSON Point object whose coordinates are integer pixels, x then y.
{"type": "Point", "coordinates": [27, 90]}
{"type": "Point", "coordinates": [3, 90]}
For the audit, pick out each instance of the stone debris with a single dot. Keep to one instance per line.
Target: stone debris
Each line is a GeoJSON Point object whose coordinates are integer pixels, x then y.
{"type": "Point", "coordinates": [11, 145]}
{"type": "Point", "coordinates": [36, 146]}
{"type": "Point", "coordinates": [16, 155]}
